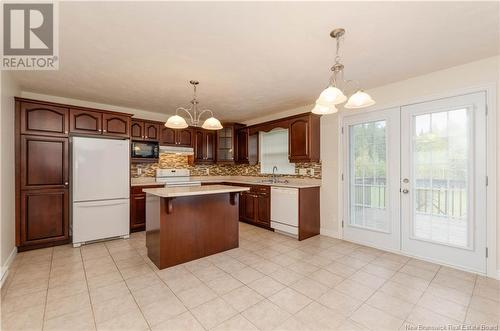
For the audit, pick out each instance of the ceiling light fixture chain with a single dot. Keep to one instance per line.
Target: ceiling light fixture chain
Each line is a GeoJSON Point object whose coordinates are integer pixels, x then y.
{"type": "Point", "coordinates": [334, 93]}
{"type": "Point", "coordinates": [178, 122]}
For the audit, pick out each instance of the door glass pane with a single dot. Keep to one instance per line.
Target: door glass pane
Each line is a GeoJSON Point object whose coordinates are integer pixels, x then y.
{"type": "Point", "coordinates": [368, 173]}
{"type": "Point", "coordinates": [440, 183]}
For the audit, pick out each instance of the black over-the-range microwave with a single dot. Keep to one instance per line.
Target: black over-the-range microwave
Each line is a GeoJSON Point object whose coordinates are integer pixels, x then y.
{"type": "Point", "coordinates": [145, 150]}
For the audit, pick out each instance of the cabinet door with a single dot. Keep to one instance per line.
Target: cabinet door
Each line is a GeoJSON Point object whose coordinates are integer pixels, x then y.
{"type": "Point", "coordinates": [137, 212]}
{"type": "Point", "coordinates": [298, 137]}
{"type": "Point", "coordinates": [116, 125]}
{"type": "Point", "coordinates": [137, 129]}
{"type": "Point", "coordinates": [242, 147]}
{"type": "Point", "coordinates": [85, 121]}
{"type": "Point", "coordinates": [250, 207]}
{"type": "Point", "coordinates": [152, 131]}
{"type": "Point", "coordinates": [199, 146]}
{"type": "Point", "coordinates": [209, 146]}
{"type": "Point", "coordinates": [44, 162]}
{"type": "Point", "coordinates": [44, 216]}
{"type": "Point", "coordinates": [185, 137]}
{"type": "Point", "coordinates": [41, 119]}
{"type": "Point", "coordinates": [242, 204]}
{"type": "Point", "coordinates": [167, 137]}
{"type": "Point", "coordinates": [263, 215]}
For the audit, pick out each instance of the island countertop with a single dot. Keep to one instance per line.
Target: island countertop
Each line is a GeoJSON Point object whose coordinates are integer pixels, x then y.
{"type": "Point", "coordinates": [184, 191]}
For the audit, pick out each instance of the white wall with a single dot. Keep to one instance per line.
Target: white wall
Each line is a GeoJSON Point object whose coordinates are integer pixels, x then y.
{"type": "Point", "coordinates": [7, 192]}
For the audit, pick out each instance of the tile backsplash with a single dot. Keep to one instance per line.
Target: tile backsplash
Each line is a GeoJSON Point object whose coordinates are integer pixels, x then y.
{"type": "Point", "coordinates": [179, 161]}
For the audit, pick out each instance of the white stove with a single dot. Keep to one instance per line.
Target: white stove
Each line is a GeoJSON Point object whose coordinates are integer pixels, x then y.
{"type": "Point", "coordinates": [175, 177]}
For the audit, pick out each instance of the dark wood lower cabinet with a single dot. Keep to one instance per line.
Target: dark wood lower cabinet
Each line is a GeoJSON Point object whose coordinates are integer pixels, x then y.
{"type": "Point", "coordinates": [44, 217]}
{"type": "Point", "coordinates": [138, 207]}
{"type": "Point", "coordinates": [255, 205]}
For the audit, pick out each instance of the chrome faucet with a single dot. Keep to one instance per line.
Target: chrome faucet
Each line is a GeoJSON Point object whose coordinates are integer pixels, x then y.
{"type": "Point", "coordinates": [275, 168]}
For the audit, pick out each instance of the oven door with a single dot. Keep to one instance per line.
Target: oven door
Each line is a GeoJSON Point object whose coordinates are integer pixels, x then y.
{"type": "Point", "coordinates": [144, 150]}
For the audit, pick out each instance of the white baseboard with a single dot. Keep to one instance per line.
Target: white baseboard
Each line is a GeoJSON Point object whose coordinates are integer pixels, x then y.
{"type": "Point", "coordinates": [4, 269]}
{"type": "Point", "coordinates": [329, 233]}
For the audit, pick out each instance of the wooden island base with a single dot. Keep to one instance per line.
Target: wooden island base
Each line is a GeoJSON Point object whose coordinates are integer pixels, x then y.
{"type": "Point", "coordinates": [185, 228]}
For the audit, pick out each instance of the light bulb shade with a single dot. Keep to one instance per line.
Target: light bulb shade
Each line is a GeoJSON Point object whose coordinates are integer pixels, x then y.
{"type": "Point", "coordinates": [176, 122]}
{"type": "Point", "coordinates": [359, 99]}
{"type": "Point", "coordinates": [323, 110]}
{"type": "Point", "coordinates": [331, 96]}
{"type": "Point", "coordinates": [212, 123]}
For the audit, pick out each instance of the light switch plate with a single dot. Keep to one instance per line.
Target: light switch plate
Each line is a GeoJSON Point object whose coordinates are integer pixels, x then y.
{"type": "Point", "coordinates": [303, 172]}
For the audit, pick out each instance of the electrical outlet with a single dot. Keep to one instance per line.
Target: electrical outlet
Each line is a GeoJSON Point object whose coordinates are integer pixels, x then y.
{"type": "Point", "coordinates": [311, 171]}
{"type": "Point", "coordinates": [303, 172]}
{"type": "Point", "coordinates": [139, 171]}
{"type": "Point", "coordinates": [246, 170]}
{"type": "Point", "coordinates": [208, 171]}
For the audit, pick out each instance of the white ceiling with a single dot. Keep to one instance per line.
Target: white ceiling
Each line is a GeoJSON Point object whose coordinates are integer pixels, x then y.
{"type": "Point", "coordinates": [253, 58]}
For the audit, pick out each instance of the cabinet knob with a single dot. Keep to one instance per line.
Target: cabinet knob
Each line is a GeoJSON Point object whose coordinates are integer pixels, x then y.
{"type": "Point", "coordinates": [66, 183]}
{"type": "Point", "coordinates": [146, 137]}
{"type": "Point", "coordinates": [104, 130]}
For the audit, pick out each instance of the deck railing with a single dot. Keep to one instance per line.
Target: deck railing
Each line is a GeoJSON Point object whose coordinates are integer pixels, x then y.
{"type": "Point", "coordinates": [448, 202]}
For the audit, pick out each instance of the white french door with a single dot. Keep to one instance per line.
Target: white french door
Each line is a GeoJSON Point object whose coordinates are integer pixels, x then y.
{"type": "Point", "coordinates": [371, 179]}
{"type": "Point", "coordinates": [443, 171]}
{"type": "Point", "coordinates": [415, 180]}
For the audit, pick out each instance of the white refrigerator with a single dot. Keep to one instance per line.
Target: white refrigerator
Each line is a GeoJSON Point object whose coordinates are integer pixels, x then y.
{"type": "Point", "coordinates": [100, 189]}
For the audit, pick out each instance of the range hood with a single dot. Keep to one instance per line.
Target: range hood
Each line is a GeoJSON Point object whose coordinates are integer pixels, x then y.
{"type": "Point", "coordinates": [177, 150]}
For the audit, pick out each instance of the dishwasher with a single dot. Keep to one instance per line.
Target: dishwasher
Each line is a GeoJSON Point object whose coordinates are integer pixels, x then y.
{"type": "Point", "coordinates": [285, 210]}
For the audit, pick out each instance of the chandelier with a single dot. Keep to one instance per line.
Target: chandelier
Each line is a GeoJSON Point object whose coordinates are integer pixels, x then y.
{"type": "Point", "coordinates": [178, 122]}
{"type": "Point", "coordinates": [334, 93]}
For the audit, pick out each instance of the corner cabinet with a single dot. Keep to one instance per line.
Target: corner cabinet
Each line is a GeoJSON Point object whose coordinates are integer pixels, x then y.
{"type": "Point", "coordinates": [204, 146]}
{"type": "Point", "coordinates": [304, 138]}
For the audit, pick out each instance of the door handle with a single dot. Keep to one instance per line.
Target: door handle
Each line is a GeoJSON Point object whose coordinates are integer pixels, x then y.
{"type": "Point", "coordinates": [405, 191]}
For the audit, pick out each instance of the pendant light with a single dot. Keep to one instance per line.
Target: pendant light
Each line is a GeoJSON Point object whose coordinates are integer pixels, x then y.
{"type": "Point", "coordinates": [334, 95]}
{"type": "Point", "coordinates": [178, 122]}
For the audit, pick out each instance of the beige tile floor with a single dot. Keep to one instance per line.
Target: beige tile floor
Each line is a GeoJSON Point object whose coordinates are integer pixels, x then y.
{"type": "Point", "coordinates": [271, 282]}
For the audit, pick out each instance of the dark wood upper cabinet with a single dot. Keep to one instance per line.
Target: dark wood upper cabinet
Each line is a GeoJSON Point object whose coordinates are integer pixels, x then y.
{"type": "Point", "coordinates": [44, 216]}
{"type": "Point", "coordinates": [167, 136]}
{"type": "Point", "coordinates": [152, 131]}
{"type": "Point", "coordinates": [185, 137]}
{"type": "Point", "coordinates": [198, 147]}
{"type": "Point", "coordinates": [242, 146]}
{"type": "Point", "coordinates": [176, 137]}
{"type": "Point", "coordinates": [137, 129]}
{"type": "Point", "coordinates": [85, 121]}
{"type": "Point", "coordinates": [204, 146]}
{"type": "Point", "coordinates": [116, 125]}
{"type": "Point", "coordinates": [42, 119]}
{"type": "Point", "coordinates": [209, 146]}
{"type": "Point", "coordinates": [44, 162]}
{"type": "Point", "coordinates": [304, 138]}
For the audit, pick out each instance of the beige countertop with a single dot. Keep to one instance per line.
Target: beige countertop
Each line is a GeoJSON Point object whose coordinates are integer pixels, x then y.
{"type": "Point", "coordinates": [144, 181]}
{"type": "Point", "coordinates": [291, 182]}
{"type": "Point", "coordinates": [251, 180]}
{"type": "Point", "coordinates": [172, 192]}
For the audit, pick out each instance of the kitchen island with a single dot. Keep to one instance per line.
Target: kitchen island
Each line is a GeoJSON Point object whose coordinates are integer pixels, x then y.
{"type": "Point", "coordinates": [188, 223]}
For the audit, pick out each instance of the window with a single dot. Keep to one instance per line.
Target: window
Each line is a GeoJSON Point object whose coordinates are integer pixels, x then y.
{"type": "Point", "coordinates": [274, 152]}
